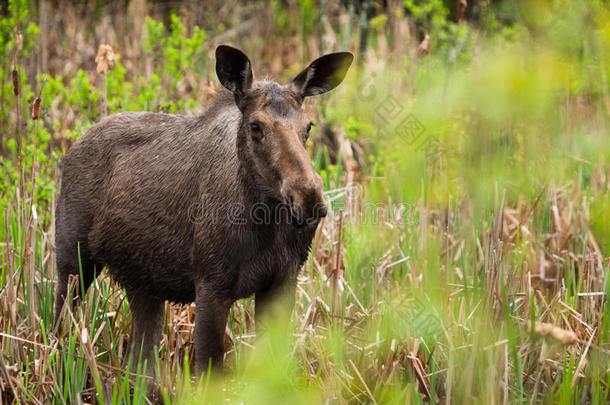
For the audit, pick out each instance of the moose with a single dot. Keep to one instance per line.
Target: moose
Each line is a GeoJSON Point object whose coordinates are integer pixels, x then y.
{"type": "Point", "coordinates": [152, 197]}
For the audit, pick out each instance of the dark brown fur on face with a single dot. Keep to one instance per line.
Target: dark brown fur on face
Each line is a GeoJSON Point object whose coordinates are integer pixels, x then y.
{"type": "Point", "coordinates": [207, 208]}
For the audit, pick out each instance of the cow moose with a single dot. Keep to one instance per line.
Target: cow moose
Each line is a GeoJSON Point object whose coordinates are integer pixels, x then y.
{"type": "Point", "coordinates": [167, 202]}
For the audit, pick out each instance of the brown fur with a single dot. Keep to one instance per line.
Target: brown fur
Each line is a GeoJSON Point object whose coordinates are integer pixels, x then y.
{"type": "Point", "coordinates": [166, 202]}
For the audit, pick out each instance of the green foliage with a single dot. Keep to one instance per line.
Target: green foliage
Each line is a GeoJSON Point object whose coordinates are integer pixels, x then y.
{"type": "Point", "coordinates": [174, 54]}
{"type": "Point", "coordinates": [432, 14]}
{"type": "Point", "coordinates": [453, 41]}
{"type": "Point", "coordinates": [12, 23]}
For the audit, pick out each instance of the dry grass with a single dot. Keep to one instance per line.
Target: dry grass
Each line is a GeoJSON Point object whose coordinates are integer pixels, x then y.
{"type": "Point", "coordinates": [556, 292]}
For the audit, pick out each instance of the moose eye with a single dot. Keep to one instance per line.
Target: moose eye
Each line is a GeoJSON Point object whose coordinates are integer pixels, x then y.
{"type": "Point", "coordinates": [311, 124]}
{"type": "Point", "coordinates": [255, 127]}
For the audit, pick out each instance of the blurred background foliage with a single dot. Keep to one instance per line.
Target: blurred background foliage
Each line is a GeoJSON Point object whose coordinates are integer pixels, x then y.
{"type": "Point", "coordinates": [466, 158]}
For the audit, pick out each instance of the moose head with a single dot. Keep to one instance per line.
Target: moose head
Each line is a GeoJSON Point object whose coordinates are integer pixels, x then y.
{"type": "Point", "coordinates": [274, 127]}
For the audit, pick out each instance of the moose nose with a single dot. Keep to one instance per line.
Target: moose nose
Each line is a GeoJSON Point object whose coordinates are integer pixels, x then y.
{"type": "Point", "coordinates": [321, 211]}
{"type": "Point", "coordinates": [305, 201]}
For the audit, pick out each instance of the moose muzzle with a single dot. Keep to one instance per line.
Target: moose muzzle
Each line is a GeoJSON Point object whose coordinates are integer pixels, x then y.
{"type": "Point", "coordinates": [305, 200]}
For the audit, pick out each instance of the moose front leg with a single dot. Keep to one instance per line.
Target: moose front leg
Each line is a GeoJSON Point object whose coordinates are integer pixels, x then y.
{"type": "Point", "coordinates": [275, 302]}
{"type": "Point", "coordinates": [147, 315]}
{"type": "Point", "coordinates": [210, 324]}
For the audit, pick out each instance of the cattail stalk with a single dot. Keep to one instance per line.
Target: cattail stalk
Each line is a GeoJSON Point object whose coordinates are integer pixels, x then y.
{"type": "Point", "coordinates": [19, 132]}
{"type": "Point", "coordinates": [19, 136]}
{"type": "Point", "coordinates": [33, 222]}
{"type": "Point", "coordinates": [105, 61]}
{"type": "Point", "coordinates": [35, 115]}
{"type": "Point", "coordinates": [10, 307]}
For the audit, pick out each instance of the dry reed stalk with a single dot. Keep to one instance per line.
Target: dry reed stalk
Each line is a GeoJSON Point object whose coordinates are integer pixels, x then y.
{"type": "Point", "coordinates": [418, 366]}
{"type": "Point", "coordinates": [10, 289]}
{"type": "Point", "coordinates": [337, 265]}
{"type": "Point", "coordinates": [89, 352]}
{"type": "Point", "coordinates": [366, 387]}
{"type": "Point", "coordinates": [68, 302]}
{"type": "Point", "coordinates": [31, 252]}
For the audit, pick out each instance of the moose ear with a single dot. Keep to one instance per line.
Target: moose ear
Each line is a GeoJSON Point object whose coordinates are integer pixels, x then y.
{"type": "Point", "coordinates": [234, 70]}
{"type": "Point", "coordinates": [323, 74]}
